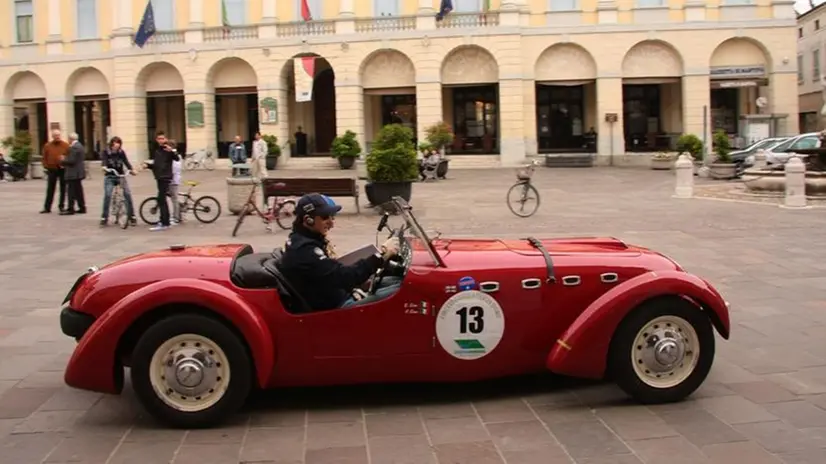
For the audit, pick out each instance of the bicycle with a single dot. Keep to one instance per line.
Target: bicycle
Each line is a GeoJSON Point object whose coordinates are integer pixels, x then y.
{"type": "Point", "coordinates": [523, 177]}
{"type": "Point", "coordinates": [200, 207]}
{"type": "Point", "coordinates": [277, 209]}
{"type": "Point", "coordinates": [117, 203]}
{"type": "Point", "coordinates": [200, 158]}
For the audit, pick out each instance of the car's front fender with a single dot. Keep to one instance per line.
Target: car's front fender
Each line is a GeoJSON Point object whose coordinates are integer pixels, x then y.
{"type": "Point", "coordinates": [92, 364]}
{"type": "Point", "coordinates": [581, 351]}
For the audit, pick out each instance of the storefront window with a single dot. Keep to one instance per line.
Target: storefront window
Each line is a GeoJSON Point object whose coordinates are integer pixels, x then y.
{"type": "Point", "coordinates": [475, 121]}
{"type": "Point", "coordinates": [560, 118]}
{"type": "Point", "coordinates": [641, 112]}
{"type": "Point", "coordinates": [724, 110]}
{"type": "Point", "coordinates": [399, 109]}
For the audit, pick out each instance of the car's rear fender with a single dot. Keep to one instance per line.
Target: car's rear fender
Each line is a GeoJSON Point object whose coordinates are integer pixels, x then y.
{"type": "Point", "coordinates": [94, 361]}
{"type": "Point", "coordinates": [582, 349]}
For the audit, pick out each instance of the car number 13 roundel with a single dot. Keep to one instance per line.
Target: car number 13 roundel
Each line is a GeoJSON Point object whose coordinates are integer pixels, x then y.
{"type": "Point", "coordinates": [470, 324]}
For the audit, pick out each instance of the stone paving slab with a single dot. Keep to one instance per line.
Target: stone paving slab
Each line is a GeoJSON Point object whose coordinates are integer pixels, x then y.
{"type": "Point", "coordinates": [764, 401]}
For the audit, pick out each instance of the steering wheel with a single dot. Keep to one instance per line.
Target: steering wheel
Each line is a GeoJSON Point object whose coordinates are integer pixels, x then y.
{"type": "Point", "coordinates": [375, 281]}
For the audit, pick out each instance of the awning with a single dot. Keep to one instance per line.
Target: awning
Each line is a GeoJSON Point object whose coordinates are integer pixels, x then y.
{"type": "Point", "coordinates": [738, 83]}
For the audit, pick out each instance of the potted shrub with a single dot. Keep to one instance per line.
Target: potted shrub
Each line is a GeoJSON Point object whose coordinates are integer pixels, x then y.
{"type": "Point", "coordinates": [273, 150]}
{"type": "Point", "coordinates": [19, 152]}
{"type": "Point", "coordinates": [440, 136]}
{"type": "Point", "coordinates": [346, 149]}
{"type": "Point", "coordinates": [392, 165]}
{"type": "Point", "coordinates": [722, 167]}
{"type": "Point", "coordinates": [662, 161]}
{"type": "Point", "coordinates": [691, 144]}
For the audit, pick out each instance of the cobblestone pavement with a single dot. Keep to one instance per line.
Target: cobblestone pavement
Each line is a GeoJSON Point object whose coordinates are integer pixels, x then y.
{"type": "Point", "coordinates": [764, 402]}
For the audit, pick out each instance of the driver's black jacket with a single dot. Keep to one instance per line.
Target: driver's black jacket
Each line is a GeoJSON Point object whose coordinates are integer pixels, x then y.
{"type": "Point", "coordinates": [321, 280]}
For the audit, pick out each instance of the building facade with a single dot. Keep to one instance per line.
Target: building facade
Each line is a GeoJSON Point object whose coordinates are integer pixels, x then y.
{"type": "Point", "coordinates": [811, 51]}
{"type": "Point", "coordinates": [523, 77]}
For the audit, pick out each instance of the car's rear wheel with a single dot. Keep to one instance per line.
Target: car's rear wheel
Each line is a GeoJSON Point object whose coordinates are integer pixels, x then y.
{"type": "Point", "coordinates": [191, 371]}
{"type": "Point", "coordinates": [662, 351]}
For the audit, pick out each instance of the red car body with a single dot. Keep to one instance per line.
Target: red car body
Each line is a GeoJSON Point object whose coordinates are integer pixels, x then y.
{"type": "Point", "coordinates": [565, 326]}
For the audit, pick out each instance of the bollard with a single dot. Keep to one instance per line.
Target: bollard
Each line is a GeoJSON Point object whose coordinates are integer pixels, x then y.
{"type": "Point", "coordinates": [685, 177]}
{"type": "Point", "coordinates": [795, 183]}
{"type": "Point", "coordinates": [760, 159]}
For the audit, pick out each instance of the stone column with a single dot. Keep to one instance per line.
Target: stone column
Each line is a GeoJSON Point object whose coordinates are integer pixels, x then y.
{"type": "Point", "coordinates": [346, 23]}
{"type": "Point", "coordinates": [122, 22]}
{"type": "Point", "coordinates": [529, 116]}
{"type": "Point", "coordinates": [204, 137]}
{"type": "Point", "coordinates": [129, 123]}
{"type": "Point", "coordinates": [428, 105]}
{"type": "Point", "coordinates": [54, 42]}
{"type": "Point", "coordinates": [350, 108]}
{"type": "Point", "coordinates": [607, 12]}
{"type": "Point", "coordinates": [59, 110]}
{"type": "Point", "coordinates": [195, 33]}
{"type": "Point", "coordinates": [609, 100]}
{"type": "Point", "coordinates": [426, 18]}
{"type": "Point", "coordinates": [795, 194]}
{"type": "Point", "coordinates": [511, 122]}
{"type": "Point", "coordinates": [782, 101]}
{"type": "Point", "coordinates": [696, 95]}
{"type": "Point", "coordinates": [7, 118]}
{"type": "Point", "coordinates": [282, 95]}
{"type": "Point", "coordinates": [269, 23]}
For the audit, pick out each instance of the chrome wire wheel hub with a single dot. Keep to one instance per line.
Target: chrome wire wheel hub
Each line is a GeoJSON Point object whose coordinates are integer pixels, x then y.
{"type": "Point", "coordinates": [665, 352]}
{"type": "Point", "coordinates": [189, 372]}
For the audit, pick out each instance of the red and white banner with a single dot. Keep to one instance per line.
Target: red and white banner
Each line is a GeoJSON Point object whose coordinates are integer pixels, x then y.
{"type": "Point", "coordinates": [304, 73]}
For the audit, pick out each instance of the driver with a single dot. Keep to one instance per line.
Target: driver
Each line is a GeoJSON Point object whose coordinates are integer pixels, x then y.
{"type": "Point", "coordinates": [308, 265]}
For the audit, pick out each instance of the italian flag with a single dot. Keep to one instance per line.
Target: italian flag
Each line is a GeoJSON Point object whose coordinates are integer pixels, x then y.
{"type": "Point", "coordinates": [224, 16]}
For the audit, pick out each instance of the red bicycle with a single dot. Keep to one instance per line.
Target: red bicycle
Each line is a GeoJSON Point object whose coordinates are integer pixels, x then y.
{"type": "Point", "coordinates": [278, 209]}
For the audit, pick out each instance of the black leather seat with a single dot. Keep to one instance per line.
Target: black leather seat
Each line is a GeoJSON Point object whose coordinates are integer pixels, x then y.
{"type": "Point", "coordinates": [260, 271]}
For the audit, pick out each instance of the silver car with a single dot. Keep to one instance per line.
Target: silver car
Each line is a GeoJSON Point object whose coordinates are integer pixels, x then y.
{"type": "Point", "coordinates": [780, 153]}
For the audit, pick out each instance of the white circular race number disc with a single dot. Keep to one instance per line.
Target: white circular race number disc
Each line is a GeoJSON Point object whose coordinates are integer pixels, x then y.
{"type": "Point", "coordinates": [470, 324]}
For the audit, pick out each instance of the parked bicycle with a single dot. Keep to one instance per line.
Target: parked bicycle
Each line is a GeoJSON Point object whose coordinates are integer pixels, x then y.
{"type": "Point", "coordinates": [524, 190]}
{"type": "Point", "coordinates": [117, 204]}
{"type": "Point", "coordinates": [279, 209]}
{"type": "Point", "coordinates": [206, 208]}
{"type": "Point", "coordinates": [199, 159]}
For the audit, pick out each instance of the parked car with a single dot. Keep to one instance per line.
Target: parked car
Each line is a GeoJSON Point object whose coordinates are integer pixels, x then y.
{"type": "Point", "coordinates": [744, 158]}
{"type": "Point", "coordinates": [778, 155]}
{"type": "Point", "coordinates": [201, 326]}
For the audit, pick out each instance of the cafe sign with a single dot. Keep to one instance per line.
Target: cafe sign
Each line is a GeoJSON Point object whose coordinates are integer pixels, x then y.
{"type": "Point", "coordinates": [738, 72]}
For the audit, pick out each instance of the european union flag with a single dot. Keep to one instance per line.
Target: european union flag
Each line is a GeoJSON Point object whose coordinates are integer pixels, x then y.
{"type": "Point", "coordinates": [445, 8]}
{"type": "Point", "coordinates": [147, 27]}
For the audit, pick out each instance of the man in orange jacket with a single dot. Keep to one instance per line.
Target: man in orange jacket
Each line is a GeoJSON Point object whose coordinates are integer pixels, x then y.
{"type": "Point", "coordinates": [54, 152]}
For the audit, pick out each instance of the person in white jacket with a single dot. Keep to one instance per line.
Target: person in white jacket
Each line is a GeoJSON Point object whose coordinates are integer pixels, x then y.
{"type": "Point", "coordinates": [259, 157]}
{"type": "Point", "coordinates": [173, 189]}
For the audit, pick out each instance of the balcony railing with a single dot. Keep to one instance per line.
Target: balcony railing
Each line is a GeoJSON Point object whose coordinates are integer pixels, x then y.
{"type": "Point", "coordinates": [302, 28]}
{"type": "Point", "coordinates": [220, 34]}
{"type": "Point", "coordinates": [167, 38]}
{"type": "Point", "coordinates": [463, 20]}
{"type": "Point", "coordinates": [385, 24]}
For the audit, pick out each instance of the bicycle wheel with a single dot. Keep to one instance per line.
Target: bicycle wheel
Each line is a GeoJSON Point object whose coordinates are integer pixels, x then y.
{"type": "Point", "coordinates": [207, 209]}
{"type": "Point", "coordinates": [244, 211]}
{"type": "Point", "coordinates": [286, 212]}
{"type": "Point", "coordinates": [117, 209]}
{"type": "Point", "coordinates": [525, 192]}
{"type": "Point", "coordinates": [149, 211]}
{"type": "Point", "coordinates": [190, 164]}
{"type": "Point", "coordinates": [209, 163]}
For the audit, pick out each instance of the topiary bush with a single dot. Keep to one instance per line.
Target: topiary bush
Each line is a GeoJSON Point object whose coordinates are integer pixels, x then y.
{"type": "Point", "coordinates": [691, 144]}
{"type": "Point", "coordinates": [722, 147]}
{"type": "Point", "coordinates": [393, 156]}
{"type": "Point", "coordinates": [346, 146]}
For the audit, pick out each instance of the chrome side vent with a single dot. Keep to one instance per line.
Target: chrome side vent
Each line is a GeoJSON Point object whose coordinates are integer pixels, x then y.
{"type": "Point", "coordinates": [489, 287]}
{"type": "Point", "coordinates": [530, 284]}
{"type": "Point", "coordinates": [570, 281]}
{"type": "Point", "coordinates": [609, 277]}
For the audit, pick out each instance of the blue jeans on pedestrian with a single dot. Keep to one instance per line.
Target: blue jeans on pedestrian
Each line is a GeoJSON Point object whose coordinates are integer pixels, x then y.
{"type": "Point", "coordinates": [109, 183]}
{"type": "Point", "coordinates": [389, 286]}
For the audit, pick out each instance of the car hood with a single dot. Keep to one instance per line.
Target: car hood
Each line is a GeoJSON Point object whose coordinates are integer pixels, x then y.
{"type": "Point", "coordinates": [555, 246]}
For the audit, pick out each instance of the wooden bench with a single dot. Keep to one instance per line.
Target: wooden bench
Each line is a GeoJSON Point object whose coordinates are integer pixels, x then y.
{"type": "Point", "coordinates": [297, 186]}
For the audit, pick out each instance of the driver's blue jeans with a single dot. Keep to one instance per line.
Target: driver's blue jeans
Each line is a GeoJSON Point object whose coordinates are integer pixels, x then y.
{"type": "Point", "coordinates": [389, 286]}
{"type": "Point", "coordinates": [108, 186]}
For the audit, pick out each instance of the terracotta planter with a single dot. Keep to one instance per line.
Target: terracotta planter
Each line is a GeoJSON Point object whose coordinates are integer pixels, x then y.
{"type": "Point", "coordinates": [662, 164]}
{"type": "Point", "coordinates": [723, 170]}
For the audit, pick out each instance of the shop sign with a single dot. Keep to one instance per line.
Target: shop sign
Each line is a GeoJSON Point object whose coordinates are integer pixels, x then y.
{"type": "Point", "coordinates": [735, 72]}
{"type": "Point", "coordinates": [269, 111]}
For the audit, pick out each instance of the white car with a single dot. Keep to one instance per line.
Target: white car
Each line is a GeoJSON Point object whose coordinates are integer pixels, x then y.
{"type": "Point", "coordinates": [780, 153]}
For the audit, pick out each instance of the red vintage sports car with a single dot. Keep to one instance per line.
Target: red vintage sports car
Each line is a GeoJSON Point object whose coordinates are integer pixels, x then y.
{"type": "Point", "coordinates": [201, 326]}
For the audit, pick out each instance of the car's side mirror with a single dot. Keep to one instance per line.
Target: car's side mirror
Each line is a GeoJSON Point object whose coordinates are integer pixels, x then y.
{"type": "Point", "coordinates": [383, 222]}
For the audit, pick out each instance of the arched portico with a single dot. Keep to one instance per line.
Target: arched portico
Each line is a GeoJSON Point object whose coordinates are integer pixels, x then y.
{"type": "Point", "coordinates": [739, 70]}
{"type": "Point", "coordinates": [652, 100]}
{"type": "Point", "coordinates": [470, 96]}
{"type": "Point", "coordinates": [388, 80]}
{"type": "Point", "coordinates": [26, 92]}
{"type": "Point", "coordinates": [162, 86]}
{"type": "Point", "coordinates": [566, 100]}
{"type": "Point", "coordinates": [235, 85]}
{"type": "Point", "coordinates": [311, 104]}
{"type": "Point", "coordinates": [89, 89]}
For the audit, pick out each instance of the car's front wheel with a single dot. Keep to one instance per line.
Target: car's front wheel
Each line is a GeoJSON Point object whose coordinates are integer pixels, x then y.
{"type": "Point", "coordinates": [191, 371]}
{"type": "Point", "coordinates": [662, 351]}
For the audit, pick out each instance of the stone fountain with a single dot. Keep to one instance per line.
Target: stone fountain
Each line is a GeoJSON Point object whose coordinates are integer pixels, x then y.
{"type": "Point", "coordinates": [762, 180]}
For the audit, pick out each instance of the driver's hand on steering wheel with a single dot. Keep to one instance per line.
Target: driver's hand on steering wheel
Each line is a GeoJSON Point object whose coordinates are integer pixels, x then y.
{"type": "Point", "coordinates": [390, 248]}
